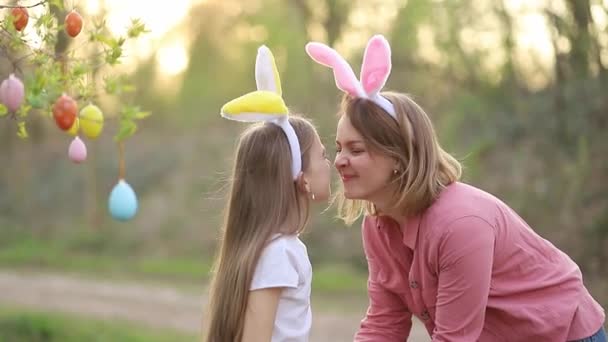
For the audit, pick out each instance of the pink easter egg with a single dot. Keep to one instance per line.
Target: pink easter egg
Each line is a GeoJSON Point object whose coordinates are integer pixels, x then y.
{"type": "Point", "coordinates": [77, 151]}
{"type": "Point", "coordinates": [12, 93]}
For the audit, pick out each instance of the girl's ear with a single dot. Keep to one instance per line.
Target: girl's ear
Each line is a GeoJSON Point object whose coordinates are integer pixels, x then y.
{"type": "Point", "coordinates": [302, 183]}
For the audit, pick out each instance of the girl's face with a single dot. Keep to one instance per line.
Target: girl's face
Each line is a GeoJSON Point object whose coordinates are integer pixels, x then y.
{"type": "Point", "coordinates": [318, 173]}
{"type": "Point", "coordinates": [365, 175]}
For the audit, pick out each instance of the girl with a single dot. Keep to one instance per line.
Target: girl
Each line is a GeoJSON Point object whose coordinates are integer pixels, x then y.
{"type": "Point", "coordinates": [453, 255]}
{"type": "Point", "coordinates": [262, 276]}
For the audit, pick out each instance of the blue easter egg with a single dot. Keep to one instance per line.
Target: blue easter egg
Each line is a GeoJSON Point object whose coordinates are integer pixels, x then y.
{"type": "Point", "coordinates": [122, 202]}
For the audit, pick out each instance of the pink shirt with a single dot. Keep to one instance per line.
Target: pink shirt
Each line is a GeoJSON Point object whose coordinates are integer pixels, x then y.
{"type": "Point", "coordinates": [472, 270]}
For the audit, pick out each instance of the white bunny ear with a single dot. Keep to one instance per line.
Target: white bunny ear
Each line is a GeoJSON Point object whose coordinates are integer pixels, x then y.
{"type": "Point", "coordinates": [376, 65]}
{"type": "Point", "coordinates": [266, 73]}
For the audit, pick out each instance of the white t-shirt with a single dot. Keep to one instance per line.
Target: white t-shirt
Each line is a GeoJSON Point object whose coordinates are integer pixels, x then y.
{"type": "Point", "coordinates": [284, 263]}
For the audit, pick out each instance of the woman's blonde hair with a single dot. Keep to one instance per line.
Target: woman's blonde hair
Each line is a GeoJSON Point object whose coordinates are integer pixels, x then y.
{"type": "Point", "coordinates": [263, 201]}
{"type": "Point", "coordinates": [424, 167]}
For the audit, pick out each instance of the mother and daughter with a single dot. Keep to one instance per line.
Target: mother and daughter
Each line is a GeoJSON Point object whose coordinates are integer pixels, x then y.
{"type": "Point", "coordinates": [454, 256]}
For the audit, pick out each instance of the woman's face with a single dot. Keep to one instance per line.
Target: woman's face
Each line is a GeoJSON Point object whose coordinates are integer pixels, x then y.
{"type": "Point", "coordinates": [365, 175]}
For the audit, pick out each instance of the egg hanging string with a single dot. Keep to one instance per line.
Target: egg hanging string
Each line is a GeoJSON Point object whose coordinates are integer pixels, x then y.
{"type": "Point", "coordinates": [121, 160]}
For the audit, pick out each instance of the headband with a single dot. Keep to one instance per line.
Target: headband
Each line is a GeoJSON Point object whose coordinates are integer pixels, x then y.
{"type": "Point", "coordinates": [266, 105]}
{"type": "Point", "coordinates": [375, 70]}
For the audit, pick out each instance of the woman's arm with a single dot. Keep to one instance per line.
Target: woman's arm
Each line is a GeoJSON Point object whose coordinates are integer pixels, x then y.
{"type": "Point", "coordinates": [465, 269]}
{"type": "Point", "coordinates": [260, 315]}
{"type": "Point", "coordinates": [388, 318]}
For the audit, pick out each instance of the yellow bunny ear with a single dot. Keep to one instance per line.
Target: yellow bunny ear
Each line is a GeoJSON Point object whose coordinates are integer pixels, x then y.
{"type": "Point", "coordinates": [259, 105]}
{"type": "Point", "coordinates": [266, 72]}
{"type": "Point", "coordinates": [266, 104]}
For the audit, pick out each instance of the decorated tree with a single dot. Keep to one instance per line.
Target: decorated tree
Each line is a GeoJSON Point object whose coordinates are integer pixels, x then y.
{"type": "Point", "coordinates": [57, 61]}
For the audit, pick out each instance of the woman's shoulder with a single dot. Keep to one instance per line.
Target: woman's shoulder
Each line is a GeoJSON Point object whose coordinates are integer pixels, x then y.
{"type": "Point", "coordinates": [460, 200]}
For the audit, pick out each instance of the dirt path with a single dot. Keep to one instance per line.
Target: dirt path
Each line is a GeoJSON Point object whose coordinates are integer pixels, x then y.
{"type": "Point", "coordinates": [158, 306]}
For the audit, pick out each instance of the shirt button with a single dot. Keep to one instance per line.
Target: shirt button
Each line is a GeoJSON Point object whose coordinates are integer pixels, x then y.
{"type": "Point", "coordinates": [425, 315]}
{"type": "Point", "coordinates": [414, 284]}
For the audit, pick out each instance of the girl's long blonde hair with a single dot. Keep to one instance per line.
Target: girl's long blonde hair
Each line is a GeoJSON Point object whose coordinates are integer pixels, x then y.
{"type": "Point", "coordinates": [263, 201]}
{"type": "Point", "coordinates": [424, 167]}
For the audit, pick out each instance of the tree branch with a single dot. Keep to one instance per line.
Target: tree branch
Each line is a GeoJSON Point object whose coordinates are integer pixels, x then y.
{"type": "Point", "coordinates": [30, 6]}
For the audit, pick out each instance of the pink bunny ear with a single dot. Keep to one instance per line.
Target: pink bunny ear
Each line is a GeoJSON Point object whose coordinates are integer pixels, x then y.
{"type": "Point", "coordinates": [376, 65]}
{"type": "Point", "coordinates": [343, 73]}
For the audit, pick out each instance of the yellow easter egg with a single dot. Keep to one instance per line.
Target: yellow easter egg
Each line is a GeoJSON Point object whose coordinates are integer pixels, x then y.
{"type": "Point", "coordinates": [73, 131]}
{"type": "Point", "coordinates": [91, 121]}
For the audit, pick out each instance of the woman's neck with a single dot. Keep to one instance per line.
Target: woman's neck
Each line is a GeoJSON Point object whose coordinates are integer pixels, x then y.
{"type": "Point", "coordinates": [385, 205]}
{"type": "Point", "coordinates": [394, 213]}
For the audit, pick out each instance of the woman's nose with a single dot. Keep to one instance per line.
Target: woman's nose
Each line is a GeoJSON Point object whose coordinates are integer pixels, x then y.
{"type": "Point", "coordinates": [340, 161]}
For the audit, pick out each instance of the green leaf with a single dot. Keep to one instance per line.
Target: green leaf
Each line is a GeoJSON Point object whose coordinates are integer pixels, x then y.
{"type": "Point", "coordinates": [113, 55]}
{"type": "Point", "coordinates": [103, 39]}
{"type": "Point", "coordinates": [117, 85]}
{"type": "Point", "coordinates": [21, 130]}
{"type": "Point", "coordinates": [80, 69]}
{"type": "Point", "coordinates": [142, 115]}
{"type": "Point", "coordinates": [23, 111]}
{"type": "Point", "coordinates": [133, 113]}
{"type": "Point", "coordinates": [46, 20]}
{"type": "Point", "coordinates": [3, 110]}
{"type": "Point", "coordinates": [127, 129]}
{"type": "Point", "coordinates": [128, 88]}
{"type": "Point", "coordinates": [57, 3]}
{"type": "Point", "coordinates": [36, 100]}
{"type": "Point", "coordinates": [136, 28]}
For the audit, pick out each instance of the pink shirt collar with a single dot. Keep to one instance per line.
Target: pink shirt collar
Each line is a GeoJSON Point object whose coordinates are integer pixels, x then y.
{"type": "Point", "coordinates": [409, 228]}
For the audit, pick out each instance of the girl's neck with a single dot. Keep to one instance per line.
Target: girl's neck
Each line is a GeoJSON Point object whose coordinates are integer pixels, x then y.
{"type": "Point", "coordinates": [294, 221]}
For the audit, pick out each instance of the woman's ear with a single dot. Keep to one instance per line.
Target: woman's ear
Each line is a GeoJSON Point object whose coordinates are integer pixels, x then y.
{"type": "Point", "coordinates": [302, 183]}
{"type": "Point", "coordinates": [396, 166]}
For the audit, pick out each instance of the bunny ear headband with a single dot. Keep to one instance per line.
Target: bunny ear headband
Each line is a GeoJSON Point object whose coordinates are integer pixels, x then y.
{"type": "Point", "coordinates": [266, 104]}
{"type": "Point", "coordinates": [375, 70]}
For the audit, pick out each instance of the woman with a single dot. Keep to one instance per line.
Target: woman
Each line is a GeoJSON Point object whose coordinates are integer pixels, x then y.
{"type": "Point", "coordinates": [453, 255]}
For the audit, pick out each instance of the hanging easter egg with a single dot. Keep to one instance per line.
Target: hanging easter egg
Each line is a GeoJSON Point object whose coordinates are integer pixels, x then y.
{"type": "Point", "coordinates": [12, 93]}
{"type": "Point", "coordinates": [91, 121]}
{"type": "Point", "coordinates": [122, 202]}
{"type": "Point", "coordinates": [73, 23]}
{"type": "Point", "coordinates": [77, 151]}
{"type": "Point", "coordinates": [20, 18]}
{"type": "Point", "coordinates": [64, 112]}
{"type": "Point", "coordinates": [73, 131]}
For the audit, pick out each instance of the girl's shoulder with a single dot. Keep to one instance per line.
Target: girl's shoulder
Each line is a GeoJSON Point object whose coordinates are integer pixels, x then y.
{"type": "Point", "coordinates": [283, 263]}
{"type": "Point", "coordinates": [286, 244]}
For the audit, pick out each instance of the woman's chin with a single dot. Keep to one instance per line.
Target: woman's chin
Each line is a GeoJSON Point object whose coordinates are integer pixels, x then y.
{"type": "Point", "coordinates": [353, 195]}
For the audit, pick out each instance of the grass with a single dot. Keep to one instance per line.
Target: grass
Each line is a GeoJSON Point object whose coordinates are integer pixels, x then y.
{"type": "Point", "coordinates": [17, 325]}
{"type": "Point", "coordinates": [338, 278]}
{"type": "Point", "coordinates": [46, 255]}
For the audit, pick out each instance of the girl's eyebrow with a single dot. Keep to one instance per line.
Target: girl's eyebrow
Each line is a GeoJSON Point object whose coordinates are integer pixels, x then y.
{"type": "Point", "coordinates": [350, 142]}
